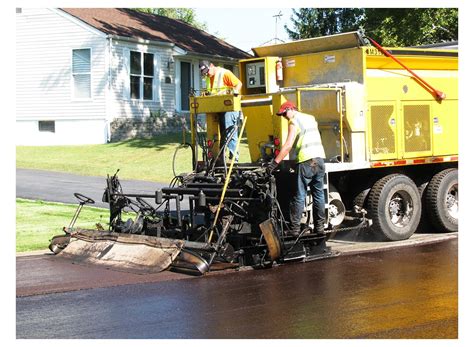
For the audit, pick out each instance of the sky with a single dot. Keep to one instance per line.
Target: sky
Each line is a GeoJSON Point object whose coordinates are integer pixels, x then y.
{"type": "Point", "coordinates": [261, 25]}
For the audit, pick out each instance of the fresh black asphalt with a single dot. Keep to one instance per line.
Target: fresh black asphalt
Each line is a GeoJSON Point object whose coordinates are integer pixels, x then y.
{"type": "Point", "coordinates": [60, 187]}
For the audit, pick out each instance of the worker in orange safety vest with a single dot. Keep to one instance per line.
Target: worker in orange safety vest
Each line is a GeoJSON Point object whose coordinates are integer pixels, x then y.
{"type": "Point", "coordinates": [223, 81]}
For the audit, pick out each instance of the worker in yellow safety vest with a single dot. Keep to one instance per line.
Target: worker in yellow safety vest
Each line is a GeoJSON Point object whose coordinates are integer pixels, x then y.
{"type": "Point", "coordinates": [305, 147]}
{"type": "Point", "coordinates": [223, 81]}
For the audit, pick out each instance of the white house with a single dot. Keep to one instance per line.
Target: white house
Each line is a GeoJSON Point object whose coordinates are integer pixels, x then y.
{"type": "Point", "coordinates": [79, 69]}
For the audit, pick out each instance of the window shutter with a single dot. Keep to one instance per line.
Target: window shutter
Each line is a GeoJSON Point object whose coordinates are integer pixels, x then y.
{"type": "Point", "coordinates": [156, 78]}
{"type": "Point", "coordinates": [126, 74]}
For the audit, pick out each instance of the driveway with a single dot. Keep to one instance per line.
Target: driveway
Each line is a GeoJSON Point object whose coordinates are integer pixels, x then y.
{"type": "Point", "coordinates": [60, 187]}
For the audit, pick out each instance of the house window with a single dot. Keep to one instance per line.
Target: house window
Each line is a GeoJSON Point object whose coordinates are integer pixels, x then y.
{"type": "Point", "coordinates": [141, 75]}
{"type": "Point", "coordinates": [81, 73]}
{"type": "Point", "coordinates": [47, 126]}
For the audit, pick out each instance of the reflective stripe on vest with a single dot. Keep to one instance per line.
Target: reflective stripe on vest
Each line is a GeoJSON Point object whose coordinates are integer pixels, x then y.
{"type": "Point", "coordinates": [218, 84]}
{"type": "Point", "coordinates": [308, 142]}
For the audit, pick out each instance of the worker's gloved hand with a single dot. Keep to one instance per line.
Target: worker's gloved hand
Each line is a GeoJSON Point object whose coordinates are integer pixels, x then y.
{"type": "Point", "coordinates": [271, 167]}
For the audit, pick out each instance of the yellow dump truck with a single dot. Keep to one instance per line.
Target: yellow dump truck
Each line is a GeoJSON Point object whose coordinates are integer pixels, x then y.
{"type": "Point", "coordinates": [388, 119]}
{"type": "Point", "coordinates": [388, 122]}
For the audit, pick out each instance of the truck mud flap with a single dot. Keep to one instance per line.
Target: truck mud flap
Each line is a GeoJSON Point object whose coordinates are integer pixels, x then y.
{"type": "Point", "coordinates": [123, 252]}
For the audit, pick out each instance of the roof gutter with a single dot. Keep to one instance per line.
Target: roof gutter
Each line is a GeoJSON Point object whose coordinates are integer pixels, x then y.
{"type": "Point", "coordinates": [212, 56]}
{"type": "Point", "coordinates": [141, 41]}
{"type": "Point", "coordinates": [177, 49]}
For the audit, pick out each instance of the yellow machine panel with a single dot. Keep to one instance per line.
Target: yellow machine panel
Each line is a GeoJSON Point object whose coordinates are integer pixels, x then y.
{"type": "Point", "coordinates": [214, 104]}
{"type": "Point", "coordinates": [416, 129]}
{"type": "Point", "coordinates": [383, 130]}
{"type": "Point", "coordinates": [445, 127]}
{"type": "Point", "coordinates": [368, 107]}
{"type": "Point", "coordinates": [325, 67]}
{"type": "Point", "coordinates": [258, 75]}
{"type": "Point", "coordinates": [259, 124]}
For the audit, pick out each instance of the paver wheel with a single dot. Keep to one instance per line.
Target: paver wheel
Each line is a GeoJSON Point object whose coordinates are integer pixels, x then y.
{"type": "Point", "coordinates": [441, 200]}
{"type": "Point", "coordinates": [394, 205]}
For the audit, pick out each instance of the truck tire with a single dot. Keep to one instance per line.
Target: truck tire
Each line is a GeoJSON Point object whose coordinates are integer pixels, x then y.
{"type": "Point", "coordinates": [394, 205]}
{"type": "Point", "coordinates": [441, 201]}
{"type": "Point", "coordinates": [361, 198]}
{"type": "Point", "coordinates": [424, 226]}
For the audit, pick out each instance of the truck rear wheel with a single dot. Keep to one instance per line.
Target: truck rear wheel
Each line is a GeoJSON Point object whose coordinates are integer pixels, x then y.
{"type": "Point", "coordinates": [441, 200]}
{"type": "Point", "coordinates": [394, 205]}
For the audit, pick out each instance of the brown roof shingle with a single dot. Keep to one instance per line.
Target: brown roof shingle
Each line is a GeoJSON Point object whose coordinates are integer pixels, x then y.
{"type": "Point", "coordinates": [130, 23]}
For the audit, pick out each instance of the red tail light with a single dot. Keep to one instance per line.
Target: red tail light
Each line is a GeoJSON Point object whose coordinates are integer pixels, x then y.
{"type": "Point", "coordinates": [277, 151]}
{"type": "Point", "coordinates": [209, 155]}
{"type": "Point", "coordinates": [209, 143]}
{"type": "Point", "coordinates": [276, 141]}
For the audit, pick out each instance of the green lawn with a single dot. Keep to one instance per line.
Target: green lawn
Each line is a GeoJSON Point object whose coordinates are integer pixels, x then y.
{"type": "Point", "coordinates": [37, 222]}
{"type": "Point", "coordinates": [141, 159]}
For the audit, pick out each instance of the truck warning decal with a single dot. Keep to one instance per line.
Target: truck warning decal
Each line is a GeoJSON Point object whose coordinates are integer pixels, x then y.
{"type": "Point", "coordinates": [329, 59]}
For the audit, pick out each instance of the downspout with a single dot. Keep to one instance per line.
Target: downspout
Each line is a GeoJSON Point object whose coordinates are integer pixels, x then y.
{"type": "Point", "coordinates": [109, 86]}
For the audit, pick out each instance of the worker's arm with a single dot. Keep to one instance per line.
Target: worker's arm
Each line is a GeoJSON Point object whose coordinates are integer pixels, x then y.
{"type": "Point", "coordinates": [231, 80]}
{"type": "Point", "coordinates": [286, 148]}
{"type": "Point", "coordinates": [238, 87]}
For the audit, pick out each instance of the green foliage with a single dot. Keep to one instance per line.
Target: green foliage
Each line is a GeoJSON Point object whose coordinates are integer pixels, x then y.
{"type": "Point", "coordinates": [314, 22]}
{"type": "Point", "coordinates": [158, 114]}
{"type": "Point", "coordinates": [412, 26]}
{"type": "Point", "coordinates": [187, 15]}
{"type": "Point", "coordinates": [388, 26]}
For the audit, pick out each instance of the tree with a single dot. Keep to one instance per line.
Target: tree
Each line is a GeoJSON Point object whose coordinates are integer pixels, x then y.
{"type": "Point", "coordinates": [412, 26]}
{"type": "Point", "coordinates": [314, 22]}
{"type": "Point", "coordinates": [388, 26]}
{"type": "Point", "coordinates": [187, 15]}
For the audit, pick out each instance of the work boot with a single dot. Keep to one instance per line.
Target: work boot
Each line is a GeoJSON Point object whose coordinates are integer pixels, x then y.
{"type": "Point", "coordinates": [292, 233]}
{"type": "Point", "coordinates": [319, 227]}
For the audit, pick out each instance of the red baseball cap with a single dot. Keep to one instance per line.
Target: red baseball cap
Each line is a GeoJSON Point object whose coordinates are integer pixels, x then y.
{"type": "Point", "coordinates": [287, 105]}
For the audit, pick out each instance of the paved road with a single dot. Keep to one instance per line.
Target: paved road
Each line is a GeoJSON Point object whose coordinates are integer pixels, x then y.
{"type": "Point", "coordinates": [344, 297]}
{"type": "Point", "coordinates": [410, 292]}
{"type": "Point", "coordinates": [60, 187]}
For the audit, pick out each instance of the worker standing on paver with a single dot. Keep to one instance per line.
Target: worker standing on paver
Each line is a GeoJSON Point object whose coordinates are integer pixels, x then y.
{"type": "Point", "coordinates": [305, 147]}
{"type": "Point", "coordinates": [222, 81]}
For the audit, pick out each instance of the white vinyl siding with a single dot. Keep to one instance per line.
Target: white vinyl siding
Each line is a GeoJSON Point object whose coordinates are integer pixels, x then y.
{"type": "Point", "coordinates": [43, 80]}
{"type": "Point", "coordinates": [122, 104]}
{"type": "Point", "coordinates": [45, 40]}
{"type": "Point", "coordinates": [81, 73]}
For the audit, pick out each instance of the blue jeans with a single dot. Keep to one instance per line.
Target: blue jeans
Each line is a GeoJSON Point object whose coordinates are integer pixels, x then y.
{"type": "Point", "coordinates": [309, 173]}
{"type": "Point", "coordinates": [227, 123]}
